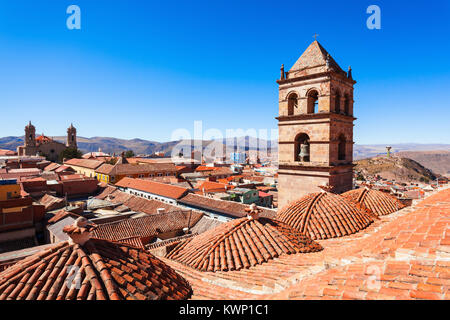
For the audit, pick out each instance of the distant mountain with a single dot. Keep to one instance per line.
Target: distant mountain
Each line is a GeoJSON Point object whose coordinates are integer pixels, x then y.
{"type": "Point", "coordinates": [394, 168]}
{"type": "Point", "coordinates": [11, 143]}
{"type": "Point", "coordinates": [140, 146]}
{"type": "Point", "coordinates": [368, 151]}
{"type": "Point", "coordinates": [436, 160]}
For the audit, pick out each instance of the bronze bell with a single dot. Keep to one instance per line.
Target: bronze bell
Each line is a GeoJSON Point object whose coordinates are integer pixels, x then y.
{"type": "Point", "coordinates": [304, 151]}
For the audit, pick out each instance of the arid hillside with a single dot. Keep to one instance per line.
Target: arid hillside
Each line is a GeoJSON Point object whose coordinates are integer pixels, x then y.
{"type": "Point", "coordinates": [394, 168]}
{"type": "Point", "coordinates": [438, 161]}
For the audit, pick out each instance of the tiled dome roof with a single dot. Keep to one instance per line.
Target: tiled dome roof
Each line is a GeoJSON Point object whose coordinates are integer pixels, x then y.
{"type": "Point", "coordinates": [97, 270]}
{"type": "Point", "coordinates": [324, 215]}
{"type": "Point", "coordinates": [43, 139]}
{"type": "Point", "coordinates": [380, 203]}
{"type": "Point", "coordinates": [241, 243]}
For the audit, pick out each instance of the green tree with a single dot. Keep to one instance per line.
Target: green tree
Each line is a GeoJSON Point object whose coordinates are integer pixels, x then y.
{"type": "Point", "coordinates": [129, 154]}
{"type": "Point", "coordinates": [360, 177]}
{"type": "Point", "coordinates": [111, 161]}
{"type": "Point", "coordinates": [70, 153]}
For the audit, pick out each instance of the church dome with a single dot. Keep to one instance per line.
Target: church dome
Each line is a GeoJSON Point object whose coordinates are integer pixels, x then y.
{"type": "Point", "coordinates": [91, 269]}
{"type": "Point", "coordinates": [324, 215]}
{"type": "Point", "coordinates": [43, 139]}
{"type": "Point", "coordinates": [241, 243]}
{"type": "Point", "coordinates": [380, 203]}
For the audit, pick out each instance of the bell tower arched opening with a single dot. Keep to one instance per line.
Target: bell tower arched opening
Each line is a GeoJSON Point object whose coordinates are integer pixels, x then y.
{"type": "Point", "coordinates": [292, 103]}
{"type": "Point", "coordinates": [347, 104]}
{"type": "Point", "coordinates": [313, 101]}
{"type": "Point", "coordinates": [337, 102]}
{"type": "Point", "coordinates": [302, 145]}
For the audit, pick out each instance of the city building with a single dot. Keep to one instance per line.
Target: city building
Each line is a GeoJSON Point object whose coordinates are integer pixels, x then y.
{"type": "Point", "coordinates": [152, 190]}
{"type": "Point", "coordinates": [46, 146]}
{"type": "Point", "coordinates": [9, 189]}
{"type": "Point", "coordinates": [85, 167]}
{"type": "Point", "coordinates": [109, 173]}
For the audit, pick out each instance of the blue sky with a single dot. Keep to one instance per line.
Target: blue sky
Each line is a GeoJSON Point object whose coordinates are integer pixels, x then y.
{"type": "Point", "coordinates": [142, 69]}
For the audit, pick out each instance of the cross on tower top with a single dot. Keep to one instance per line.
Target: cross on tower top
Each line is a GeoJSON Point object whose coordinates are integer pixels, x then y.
{"type": "Point", "coordinates": [315, 36]}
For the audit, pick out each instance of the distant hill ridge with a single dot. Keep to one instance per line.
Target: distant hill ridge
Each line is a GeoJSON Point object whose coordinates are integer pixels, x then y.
{"type": "Point", "coordinates": [438, 160]}
{"type": "Point", "coordinates": [395, 168]}
{"type": "Point", "coordinates": [140, 146]}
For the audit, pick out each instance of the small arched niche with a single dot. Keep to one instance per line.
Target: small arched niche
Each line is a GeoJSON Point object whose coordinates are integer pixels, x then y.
{"type": "Point", "coordinates": [313, 101]}
{"type": "Point", "coordinates": [337, 102]}
{"type": "Point", "coordinates": [292, 103]}
{"type": "Point", "coordinates": [347, 104]}
{"type": "Point", "coordinates": [341, 147]}
{"type": "Point", "coordinates": [302, 148]}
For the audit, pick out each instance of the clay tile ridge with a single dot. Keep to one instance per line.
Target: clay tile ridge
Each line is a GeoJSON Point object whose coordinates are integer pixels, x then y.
{"type": "Point", "coordinates": [324, 215]}
{"type": "Point", "coordinates": [241, 244]}
{"type": "Point", "coordinates": [380, 203]}
{"type": "Point", "coordinates": [92, 269]}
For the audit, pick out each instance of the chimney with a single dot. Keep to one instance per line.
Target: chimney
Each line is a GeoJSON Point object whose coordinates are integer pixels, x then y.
{"type": "Point", "coordinates": [161, 210]}
{"type": "Point", "coordinates": [80, 231]}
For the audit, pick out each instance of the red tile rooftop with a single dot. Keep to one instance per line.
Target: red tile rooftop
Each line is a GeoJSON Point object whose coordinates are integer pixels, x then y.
{"type": "Point", "coordinates": [157, 188]}
{"type": "Point", "coordinates": [52, 166]}
{"type": "Point", "coordinates": [229, 208]}
{"type": "Point", "coordinates": [404, 255]}
{"type": "Point", "coordinates": [4, 152]}
{"type": "Point", "coordinates": [85, 163]}
{"type": "Point", "coordinates": [241, 243]}
{"type": "Point", "coordinates": [61, 214]}
{"type": "Point", "coordinates": [148, 227]}
{"type": "Point", "coordinates": [134, 203]}
{"type": "Point", "coordinates": [52, 203]}
{"type": "Point", "coordinates": [324, 215]}
{"type": "Point", "coordinates": [211, 186]}
{"type": "Point", "coordinates": [378, 202]}
{"type": "Point", "coordinates": [92, 270]}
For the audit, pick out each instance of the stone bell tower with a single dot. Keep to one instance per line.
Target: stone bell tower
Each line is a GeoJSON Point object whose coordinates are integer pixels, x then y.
{"type": "Point", "coordinates": [72, 137]}
{"type": "Point", "coordinates": [29, 146]}
{"type": "Point", "coordinates": [30, 135]}
{"type": "Point", "coordinates": [315, 125]}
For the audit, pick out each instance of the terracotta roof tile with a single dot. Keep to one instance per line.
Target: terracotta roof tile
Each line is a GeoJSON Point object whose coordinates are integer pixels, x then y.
{"type": "Point", "coordinates": [231, 208]}
{"type": "Point", "coordinates": [241, 243]}
{"type": "Point", "coordinates": [211, 186]}
{"type": "Point", "coordinates": [324, 215]}
{"type": "Point", "coordinates": [162, 189]}
{"type": "Point", "coordinates": [97, 270]}
{"type": "Point", "coordinates": [52, 166]}
{"type": "Point", "coordinates": [85, 163]}
{"type": "Point", "coordinates": [134, 241]}
{"type": "Point", "coordinates": [134, 203]}
{"type": "Point", "coordinates": [52, 203]}
{"type": "Point", "coordinates": [404, 251]}
{"type": "Point", "coordinates": [380, 203]}
{"type": "Point", "coordinates": [61, 214]}
{"type": "Point", "coordinates": [147, 227]}
{"type": "Point", "coordinates": [407, 258]}
{"type": "Point", "coordinates": [129, 168]}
